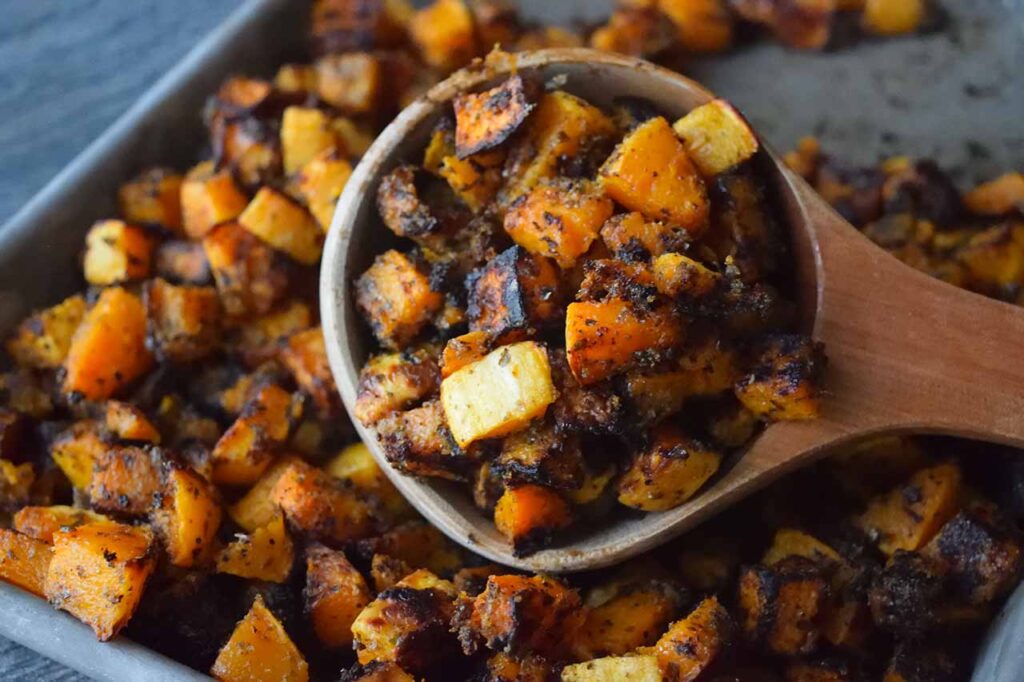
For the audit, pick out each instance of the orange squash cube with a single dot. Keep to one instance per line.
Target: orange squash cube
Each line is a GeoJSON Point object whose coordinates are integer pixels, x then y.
{"type": "Point", "coordinates": [42, 341]}
{"type": "Point", "coordinates": [209, 198]}
{"type": "Point", "coordinates": [396, 297]}
{"type": "Point", "coordinates": [153, 198]}
{"type": "Point", "coordinates": [24, 561]}
{"type": "Point", "coordinates": [284, 225]}
{"type": "Point", "coordinates": [260, 651]}
{"type": "Point", "coordinates": [529, 515]}
{"type": "Point", "coordinates": [335, 594]}
{"type": "Point", "coordinates": [188, 516]}
{"type": "Point", "coordinates": [717, 137]}
{"type": "Point", "coordinates": [117, 252]}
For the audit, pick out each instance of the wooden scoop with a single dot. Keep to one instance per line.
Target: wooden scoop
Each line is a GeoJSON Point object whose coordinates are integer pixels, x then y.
{"type": "Point", "coordinates": [907, 353]}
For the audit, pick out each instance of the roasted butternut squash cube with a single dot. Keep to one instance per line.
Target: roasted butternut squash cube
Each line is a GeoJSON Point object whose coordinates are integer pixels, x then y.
{"type": "Point", "coordinates": [24, 561]}
{"type": "Point", "coordinates": [284, 225]}
{"type": "Point", "coordinates": [630, 236]}
{"type": "Point", "coordinates": [668, 472]}
{"type": "Point", "coordinates": [802, 24]}
{"type": "Point", "coordinates": [908, 516]}
{"type": "Point", "coordinates": [108, 350]}
{"type": "Point", "coordinates": [305, 356]}
{"type": "Point", "coordinates": [187, 517]}
{"type": "Point", "coordinates": [681, 277]}
{"type": "Point", "coordinates": [633, 668]}
{"type": "Point", "coordinates": [128, 422]}
{"type": "Point", "coordinates": [911, 598]}
{"type": "Point", "coordinates": [246, 449]}
{"type": "Point", "coordinates": [208, 198]}
{"type": "Point", "coordinates": [260, 339]}
{"type": "Point", "coordinates": [692, 644]}
{"type": "Point", "coordinates": [638, 31]}
{"type": "Point", "coordinates": [42, 341]}
{"type": "Point", "coordinates": [498, 395]}
{"type": "Point", "coordinates": [530, 515]}
{"type": "Point", "coordinates": [520, 614]}
{"type": "Point", "coordinates": [387, 571]}
{"type": "Point", "coordinates": [742, 226]}
{"type": "Point", "coordinates": [184, 321]}
{"type": "Point", "coordinates": [182, 262]}
{"type": "Point", "coordinates": [116, 252]}
{"type": "Point", "coordinates": [250, 276]}
{"type": "Point", "coordinates": [704, 26]}
{"type": "Point", "coordinates": [260, 651]}
{"type": "Point", "coordinates": [561, 128]}
{"type": "Point", "coordinates": [717, 137]}
{"type": "Point", "coordinates": [351, 82]}
{"type": "Point", "coordinates": [335, 594]}
{"type": "Point", "coordinates": [394, 381]}
{"type": "Point", "coordinates": [343, 25]}
{"type": "Point", "coordinates": [98, 573]}
{"type": "Point", "coordinates": [485, 120]}
{"type": "Point", "coordinates": [651, 172]}
{"type": "Point", "coordinates": [42, 522]}
{"type": "Point", "coordinates": [305, 134]}
{"type": "Point", "coordinates": [893, 17]}
{"type": "Point", "coordinates": [604, 338]}
{"type": "Point", "coordinates": [408, 625]}
{"type": "Point", "coordinates": [266, 553]}
{"type": "Point", "coordinates": [15, 484]}
{"type": "Point", "coordinates": [396, 298]}
{"type": "Point", "coordinates": [76, 450]}
{"type": "Point", "coordinates": [783, 383]}
{"type": "Point", "coordinates": [475, 179]}
{"type": "Point", "coordinates": [541, 454]}
{"type": "Point", "coordinates": [320, 183]}
{"type": "Point", "coordinates": [153, 197]}
{"type": "Point", "coordinates": [444, 34]}
{"type": "Point", "coordinates": [322, 507]}
{"type": "Point", "coordinates": [983, 556]}
{"type": "Point", "coordinates": [997, 197]}
{"type": "Point", "coordinates": [634, 617]}
{"type": "Point", "coordinates": [357, 466]}
{"type": "Point", "coordinates": [255, 509]}
{"type": "Point", "coordinates": [417, 442]}
{"type": "Point", "coordinates": [559, 220]}
{"type": "Point", "coordinates": [246, 145]}
{"type": "Point", "coordinates": [512, 296]}
{"type": "Point", "coordinates": [464, 350]}
{"type": "Point", "coordinates": [780, 606]}
{"type": "Point", "coordinates": [125, 479]}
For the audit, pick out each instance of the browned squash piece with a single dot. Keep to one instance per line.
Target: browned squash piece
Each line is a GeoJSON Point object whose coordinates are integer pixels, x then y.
{"type": "Point", "coordinates": [651, 172]}
{"type": "Point", "coordinates": [284, 225]}
{"type": "Point", "coordinates": [42, 341]}
{"type": "Point", "coordinates": [893, 17]}
{"type": "Point", "coordinates": [246, 449]}
{"type": "Point", "coordinates": [250, 276]}
{"type": "Point", "coordinates": [560, 128]}
{"type": "Point", "coordinates": [408, 625]}
{"type": "Point", "coordinates": [266, 553]}
{"type": "Point", "coordinates": [910, 515]}
{"type": "Point", "coordinates": [692, 644]}
{"type": "Point", "coordinates": [477, 179]}
{"type": "Point", "coordinates": [24, 561]}
{"type": "Point", "coordinates": [485, 120]}
{"type": "Point", "coordinates": [444, 34]}
{"type": "Point", "coordinates": [116, 252]}
{"type": "Point", "coordinates": [498, 395]}
{"type": "Point", "coordinates": [631, 668]}
{"type": "Point", "coordinates": [335, 594]}
{"type": "Point", "coordinates": [98, 573]}
{"type": "Point", "coordinates": [543, 455]}
{"type": "Point", "coordinates": [512, 296]}
{"type": "Point", "coordinates": [983, 556]}
{"type": "Point", "coordinates": [803, 24]}
{"type": "Point", "coordinates": [260, 339]}
{"type": "Point", "coordinates": [125, 479]}
{"type": "Point", "coordinates": [184, 321]}
{"type": "Point", "coordinates": [356, 466]}
{"type": "Point", "coordinates": [76, 450]}
{"type": "Point", "coordinates": [387, 571]}
{"type": "Point", "coordinates": [305, 134]}
{"type": "Point", "coordinates": [128, 422]}
{"type": "Point", "coordinates": [393, 381]}
{"type": "Point", "coordinates": [351, 82]}
{"type": "Point", "coordinates": [668, 472]}
{"type": "Point", "coordinates": [182, 262]}
{"type": "Point", "coordinates": [260, 651]}
{"type": "Point", "coordinates": [529, 515]}
{"type": "Point", "coordinates": [417, 442]}
{"type": "Point", "coordinates": [997, 197]}
{"type": "Point", "coordinates": [42, 522]}
{"type": "Point", "coordinates": [208, 198]}
{"type": "Point", "coordinates": [783, 383]}
{"type": "Point", "coordinates": [420, 545]}
{"type": "Point", "coordinates": [153, 197]}
{"type": "Point", "coordinates": [629, 620]}
{"type": "Point", "coordinates": [320, 183]}
{"type": "Point", "coordinates": [638, 31]}
{"type": "Point", "coordinates": [681, 277]}
{"type": "Point", "coordinates": [396, 298]}
{"type": "Point", "coordinates": [344, 25]}
{"type": "Point", "coordinates": [255, 509]}
{"type": "Point", "coordinates": [187, 517]}
{"type": "Point", "coordinates": [717, 137]}
{"type": "Point", "coordinates": [321, 507]}
{"type": "Point", "coordinates": [704, 26]}
{"type": "Point", "coordinates": [520, 614]}
{"type": "Point", "coordinates": [246, 145]}
{"type": "Point", "coordinates": [781, 606]}
{"type": "Point", "coordinates": [464, 350]}
{"type": "Point", "coordinates": [604, 338]}
{"type": "Point", "coordinates": [630, 237]}
{"type": "Point", "coordinates": [559, 220]}
{"type": "Point", "coordinates": [108, 350]}
{"type": "Point", "coordinates": [305, 356]}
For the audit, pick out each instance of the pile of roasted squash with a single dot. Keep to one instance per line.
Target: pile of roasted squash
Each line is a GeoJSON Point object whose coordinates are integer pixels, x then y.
{"type": "Point", "coordinates": [175, 466]}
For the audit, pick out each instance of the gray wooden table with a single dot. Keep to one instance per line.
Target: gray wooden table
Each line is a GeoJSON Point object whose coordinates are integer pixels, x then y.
{"type": "Point", "coordinates": [68, 68]}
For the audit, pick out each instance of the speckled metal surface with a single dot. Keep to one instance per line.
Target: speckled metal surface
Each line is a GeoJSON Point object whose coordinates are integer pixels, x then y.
{"type": "Point", "coordinates": [955, 94]}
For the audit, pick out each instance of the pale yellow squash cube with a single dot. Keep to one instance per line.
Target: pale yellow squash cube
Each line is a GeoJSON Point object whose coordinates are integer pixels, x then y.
{"type": "Point", "coordinates": [717, 137]}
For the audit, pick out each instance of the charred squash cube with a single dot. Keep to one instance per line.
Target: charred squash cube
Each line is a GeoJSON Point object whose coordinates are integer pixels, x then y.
{"type": "Point", "coordinates": [692, 644]}
{"type": "Point", "coordinates": [417, 205]}
{"type": "Point", "coordinates": [98, 574]}
{"type": "Point", "coordinates": [250, 275]}
{"type": "Point", "coordinates": [351, 82]}
{"type": "Point", "coordinates": [909, 596]}
{"type": "Point", "coordinates": [335, 595]}
{"type": "Point", "coordinates": [640, 31]}
{"type": "Point", "coordinates": [322, 507]}
{"type": "Point", "coordinates": [246, 449]}
{"type": "Point", "coordinates": [629, 668]}
{"type": "Point", "coordinates": [260, 648]}
{"type": "Point", "coordinates": [681, 277]}
{"type": "Point", "coordinates": [125, 480]}
{"type": "Point", "coordinates": [284, 225]}
{"type": "Point", "coordinates": [464, 350]}
{"type": "Point", "coordinates": [209, 198]}
{"type": "Point", "coordinates": [704, 26]}
{"type": "Point", "coordinates": [266, 553]}
{"type": "Point", "coordinates": [667, 473]}
{"type": "Point", "coordinates": [597, 409]}
{"type": "Point", "coordinates": [634, 616]}
{"type": "Point", "coordinates": [153, 198]}
{"type": "Point", "coordinates": [417, 442]}
{"type": "Point", "coordinates": [419, 545]}
{"type": "Point", "coordinates": [305, 356]}
{"type": "Point", "coordinates": [76, 450]}
{"type": "Point", "coordinates": [529, 516]}
{"type": "Point", "coordinates": [397, 299]}
{"type": "Point", "coordinates": [513, 295]}
{"type": "Point", "coordinates": [717, 137]}
{"type": "Point", "coordinates": [783, 384]}
{"type": "Point", "coordinates": [182, 262]}
{"type": "Point", "coordinates": [394, 381]}
{"type": "Point", "coordinates": [983, 556]}
{"type": "Point", "coordinates": [485, 120]}
{"type": "Point", "coordinates": [42, 341]}
{"type": "Point", "coordinates": [346, 25]}
{"type": "Point", "coordinates": [116, 252]}
{"type": "Point", "coordinates": [24, 561]}
{"type": "Point", "coordinates": [780, 606]}
{"type": "Point", "coordinates": [651, 172]}
{"type": "Point", "coordinates": [539, 454]}
{"type": "Point", "coordinates": [188, 515]}
{"type": "Point", "coordinates": [632, 237]}
{"type": "Point", "coordinates": [444, 34]}
{"type": "Point", "coordinates": [184, 321]}
{"type": "Point", "coordinates": [475, 179]}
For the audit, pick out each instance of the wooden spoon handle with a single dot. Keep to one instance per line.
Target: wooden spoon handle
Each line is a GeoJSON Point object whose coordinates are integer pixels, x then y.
{"type": "Point", "coordinates": [908, 352]}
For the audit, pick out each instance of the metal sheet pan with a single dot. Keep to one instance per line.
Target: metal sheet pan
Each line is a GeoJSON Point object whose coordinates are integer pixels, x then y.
{"type": "Point", "coordinates": [955, 95]}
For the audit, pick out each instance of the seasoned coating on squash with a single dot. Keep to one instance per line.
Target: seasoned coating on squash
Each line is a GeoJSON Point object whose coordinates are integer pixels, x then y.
{"type": "Point", "coordinates": [153, 197]}
{"type": "Point", "coordinates": [284, 225]}
{"type": "Point", "coordinates": [182, 262]}
{"type": "Point", "coordinates": [418, 442]}
{"type": "Point", "coordinates": [982, 556]}
{"type": "Point", "coordinates": [781, 605]}
{"type": "Point", "coordinates": [692, 644]}
{"type": "Point", "coordinates": [209, 198]}
{"type": "Point", "coordinates": [396, 298]}
{"type": "Point", "coordinates": [125, 479]}
{"type": "Point", "coordinates": [668, 472]}
{"type": "Point", "coordinates": [540, 454]}
{"type": "Point", "coordinates": [247, 448]}
{"type": "Point", "coordinates": [346, 25]}
{"type": "Point", "coordinates": [305, 356]}
{"type": "Point", "coordinates": [250, 276]}
{"type": "Point", "coordinates": [24, 561]}
{"type": "Point", "coordinates": [187, 515]}
{"type": "Point", "coordinates": [260, 649]}
{"type": "Point", "coordinates": [42, 522]}
{"type": "Point", "coordinates": [631, 237]}
{"type": "Point", "coordinates": [783, 383]}
{"type": "Point", "coordinates": [335, 593]}
{"type": "Point", "coordinates": [513, 296]}
{"type": "Point", "coordinates": [633, 617]}
{"type": "Point", "coordinates": [530, 516]}
{"type": "Point", "coordinates": [485, 120]}
{"type": "Point", "coordinates": [717, 137]}
{"type": "Point", "coordinates": [184, 321]}
{"type": "Point", "coordinates": [394, 381]}
{"type": "Point", "coordinates": [322, 507]}
{"type": "Point", "coordinates": [907, 597]}
{"type": "Point", "coordinates": [267, 553]}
